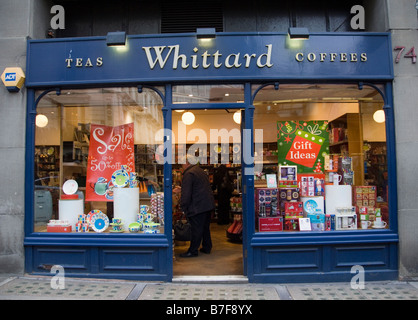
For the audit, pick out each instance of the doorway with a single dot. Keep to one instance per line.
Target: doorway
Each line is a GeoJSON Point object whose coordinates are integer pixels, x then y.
{"type": "Point", "coordinates": [214, 139]}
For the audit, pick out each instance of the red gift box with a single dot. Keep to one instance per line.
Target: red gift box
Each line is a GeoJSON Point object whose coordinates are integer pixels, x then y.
{"type": "Point", "coordinates": [293, 207]}
{"type": "Point", "coordinates": [69, 196]}
{"type": "Point", "coordinates": [270, 224]}
{"type": "Point", "coordinates": [58, 229]}
{"type": "Point", "coordinates": [291, 224]}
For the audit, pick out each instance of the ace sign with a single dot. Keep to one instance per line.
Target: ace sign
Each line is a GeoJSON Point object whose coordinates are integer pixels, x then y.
{"type": "Point", "coordinates": [303, 143]}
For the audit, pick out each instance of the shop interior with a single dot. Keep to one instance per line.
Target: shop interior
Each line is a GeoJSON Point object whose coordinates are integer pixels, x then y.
{"type": "Point", "coordinates": [348, 115]}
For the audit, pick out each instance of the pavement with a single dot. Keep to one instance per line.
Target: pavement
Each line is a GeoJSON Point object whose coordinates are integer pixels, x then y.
{"type": "Point", "coordinates": [28, 287]}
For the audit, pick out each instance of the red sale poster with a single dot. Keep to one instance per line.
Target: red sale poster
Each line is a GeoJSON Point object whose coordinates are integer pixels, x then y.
{"type": "Point", "coordinates": [110, 149]}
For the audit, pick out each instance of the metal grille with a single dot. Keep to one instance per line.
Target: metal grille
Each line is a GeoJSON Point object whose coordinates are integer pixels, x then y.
{"type": "Point", "coordinates": [187, 16]}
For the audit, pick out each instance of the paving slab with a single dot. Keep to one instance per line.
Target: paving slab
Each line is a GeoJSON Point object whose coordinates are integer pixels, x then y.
{"type": "Point", "coordinates": [208, 292]}
{"type": "Point", "coordinates": [371, 291]}
{"type": "Point", "coordinates": [40, 288]}
{"type": "Point", "coordinates": [32, 289]}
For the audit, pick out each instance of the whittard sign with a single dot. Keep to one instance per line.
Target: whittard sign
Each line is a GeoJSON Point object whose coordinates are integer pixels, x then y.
{"type": "Point", "coordinates": [228, 57]}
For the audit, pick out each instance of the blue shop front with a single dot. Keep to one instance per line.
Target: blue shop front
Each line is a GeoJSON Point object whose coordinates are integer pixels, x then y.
{"type": "Point", "coordinates": [304, 127]}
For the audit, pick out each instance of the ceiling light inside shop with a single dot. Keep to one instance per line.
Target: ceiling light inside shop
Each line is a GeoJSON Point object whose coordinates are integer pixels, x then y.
{"type": "Point", "coordinates": [41, 121]}
{"type": "Point", "coordinates": [188, 118]}
{"type": "Point", "coordinates": [379, 116]}
{"type": "Point", "coordinates": [237, 117]}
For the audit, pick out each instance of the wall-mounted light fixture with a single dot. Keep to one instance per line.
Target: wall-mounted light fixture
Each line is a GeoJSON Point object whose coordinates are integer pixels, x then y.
{"type": "Point", "coordinates": [299, 33]}
{"type": "Point", "coordinates": [205, 33]}
{"type": "Point", "coordinates": [116, 38]}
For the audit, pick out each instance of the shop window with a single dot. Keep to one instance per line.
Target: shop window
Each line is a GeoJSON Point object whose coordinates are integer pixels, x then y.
{"type": "Point", "coordinates": [322, 164]}
{"type": "Point", "coordinates": [208, 94]}
{"type": "Point", "coordinates": [97, 165]}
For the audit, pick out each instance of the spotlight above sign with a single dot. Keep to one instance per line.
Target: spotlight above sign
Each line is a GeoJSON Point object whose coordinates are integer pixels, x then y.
{"type": "Point", "coordinates": [299, 33]}
{"type": "Point", "coordinates": [205, 33]}
{"type": "Point", "coordinates": [116, 38]}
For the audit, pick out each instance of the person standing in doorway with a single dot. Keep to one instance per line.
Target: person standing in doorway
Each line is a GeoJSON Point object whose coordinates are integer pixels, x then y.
{"type": "Point", "coordinates": [223, 184]}
{"type": "Point", "coordinates": [198, 203]}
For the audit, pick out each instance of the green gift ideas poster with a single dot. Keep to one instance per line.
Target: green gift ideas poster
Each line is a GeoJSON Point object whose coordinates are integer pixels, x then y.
{"type": "Point", "coordinates": [304, 144]}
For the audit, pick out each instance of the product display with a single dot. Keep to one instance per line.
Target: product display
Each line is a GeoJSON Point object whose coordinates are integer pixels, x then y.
{"type": "Point", "coordinates": [345, 218]}
{"type": "Point", "coordinates": [328, 206]}
{"type": "Point", "coordinates": [157, 206]}
{"type": "Point", "coordinates": [117, 225]}
{"type": "Point", "coordinates": [125, 196]}
{"type": "Point", "coordinates": [317, 221]}
{"type": "Point", "coordinates": [70, 209]}
{"type": "Point", "coordinates": [134, 227]}
{"type": "Point", "coordinates": [234, 231]}
{"type": "Point", "coordinates": [312, 178]}
{"type": "Point", "coordinates": [313, 205]}
{"type": "Point", "coordinates": [58, 226]}
{"type": "Point", "coordinates": [99, 221]}
{"type": "Point", "coordinates": [270, 224]}
{"type": "Point", "coordinates": [337, 196]}
{"type": "Point", "coordinates": [236, 204]}
{"type": "Point", "coordinates": [311, 184]}
{"type": "Point", "coordinates": [266, 202]}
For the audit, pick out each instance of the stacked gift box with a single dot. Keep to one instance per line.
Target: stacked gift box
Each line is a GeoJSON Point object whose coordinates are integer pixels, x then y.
{"type": "Point", "coordinates": [157, 206]}
{"type": "Point", "coordinates": [266, 202]}
{"type": "Point", "coordinates": [267, 210]}
{"type": "Point", "coordinates": [336, 164]}
{"type": "Point", "coordinates": [345, 169]}
{"type": "Point", "coordinates": [293, 210]}
{"type": "Point", "coordinates": [281, 208]}
{"type": "Point", "coordinates": [311, 185]}
{"type": "Point", "coordinates": [337, 135]}
{"type": "Point", "coordinates": [364, 199]}
{"type": "Point", "coordinates": [312, 192]}
{"type": "Point", "coordinates": [290, 207]}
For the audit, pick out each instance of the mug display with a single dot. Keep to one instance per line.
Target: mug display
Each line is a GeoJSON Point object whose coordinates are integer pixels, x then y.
{"type": "Point", "coordinates": [379, 224]}
{"type": "Point", "coordinates": [100, 186]}
{"type": "Point", "coordinates": [365, 224]}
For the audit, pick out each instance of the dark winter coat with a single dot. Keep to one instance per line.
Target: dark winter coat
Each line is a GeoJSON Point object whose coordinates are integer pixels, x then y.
{"type": "Point", "coordinates": [196, 192]}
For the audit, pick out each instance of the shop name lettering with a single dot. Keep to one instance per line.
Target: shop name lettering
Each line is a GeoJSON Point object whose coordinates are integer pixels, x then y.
{"type": "Point", "coordinates": [80, 62]}
{"type": "Point", "coordinates": [160, 55]}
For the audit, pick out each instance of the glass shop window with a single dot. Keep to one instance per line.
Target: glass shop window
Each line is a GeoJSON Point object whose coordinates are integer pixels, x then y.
{"type": "Point", "coordinates": [322, 162]}
{"type": "Point", "coordinates": [98, 162]}
{"type": "Point", "coordinates": [231, 93]}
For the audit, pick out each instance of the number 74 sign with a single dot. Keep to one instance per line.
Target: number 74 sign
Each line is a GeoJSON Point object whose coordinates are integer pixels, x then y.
{"type": "Point", "coordinates": [410, 54]}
